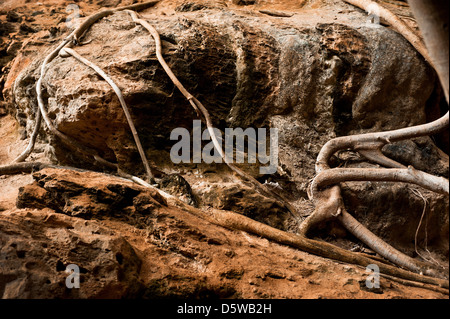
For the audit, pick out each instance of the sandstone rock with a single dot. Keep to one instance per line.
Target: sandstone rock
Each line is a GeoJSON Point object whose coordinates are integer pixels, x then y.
{"type": "Point", "coordinates": [244, 2]}
{"type": "Point", "coordinates": [13, 16]}
{"type": "Point", "coordinates": [313, 77]}
{"type": "Point", "coordinates": [108, 3]}
{"type": "Point", "coordinates": [236, 197]}
{"type": "Point", "coordinates": [36, 248]}
{"type": "Point", "coordinates": [26, 28]}
{"type": "Point", "coordinates": [6, 28]}
{"type": "Point", "coordinates": [421, 154]}
{"type": "Point", "coordinates": [169, 254]}
{"type": "Point", "coordinates": [189, 7]}
{"type": "Point", "coordinates": [177, 186]}
{"type": "Point", "coordinates": [89, 195]}
{"type": "Point", "coordinates": [246, 72]}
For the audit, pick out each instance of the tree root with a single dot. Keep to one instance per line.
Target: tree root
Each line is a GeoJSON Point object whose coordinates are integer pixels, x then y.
{"type": "Point", "coordinates": [119, 94]}
{"type": "Point", "coordinates": [416, 284]}
{"type": "Point", "coordinates": [384, 249]}
{"type": "Point", "coordinates": [396, 23]}
{"type": "Point", "coordinates": [370, 145]}
{"type": "Point", "coordinates": [407, 175]}
{"type": "Point", "coordinates": [376, 141]}
{"type": "Point", "coordinates": [201, 110]}
{"type": "Point", "coordinates": [31, 167]}
{"type": "Point", "coordinates": [329, 202]}
{"type": "Point", "coordinates": [72, 39]}
{"type": "Point", "coordinates": [236, 221]}
{"type": "Point", "coordinates": [27, 167]}
{"type": "Point", "coordinates": [276, 13]}
{"type": "Point", "coordinates": [432, 18]}
{"type": "Point", "coordinates": [330, 206]}
{"type": "Point", "coordinates": [38, 118]}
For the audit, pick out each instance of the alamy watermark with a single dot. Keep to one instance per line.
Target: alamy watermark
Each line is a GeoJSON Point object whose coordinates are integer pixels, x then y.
{"type": "Point", "coordinates": [373, 11]}
{"type": "Point", "coordinates": [73, 280]}
{"type": "Point", "coordinates": [258, 145]}
{"type": "Point", "coordinates": [73, 20]}
{"type": "Point", "coordinates": [373, 280]}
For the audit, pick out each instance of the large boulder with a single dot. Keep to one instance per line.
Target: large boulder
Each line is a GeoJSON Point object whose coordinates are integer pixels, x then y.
{"type": "Point", "coordinates": [315, 75]}
{"type": "Point", "coordinates": [312, 81]}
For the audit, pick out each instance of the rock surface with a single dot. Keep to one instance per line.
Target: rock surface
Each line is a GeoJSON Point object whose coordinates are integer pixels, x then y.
{"type": "Point", "coordinates": [320, 73]}
{"type": "Point", "coordinates": [37, 246]}
{"type": "Point", "coordinates": [157, 251]}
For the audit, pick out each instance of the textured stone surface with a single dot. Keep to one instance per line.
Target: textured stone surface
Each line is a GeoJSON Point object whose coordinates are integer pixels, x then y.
{"type": "Point", "coordinates": [36, 248]}
{"type": "Point", "coordinates": [157, 252]}
{"type": "Point", "coordinates": [323, 72]}
{"type": "Point", "coordinates": [87, 195]}
{"type": "Point", "coordinates": [312, 80]}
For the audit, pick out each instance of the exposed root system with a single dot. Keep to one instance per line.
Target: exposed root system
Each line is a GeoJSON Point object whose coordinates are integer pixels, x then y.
{"type": "Point", "coordinates": [325, 189]}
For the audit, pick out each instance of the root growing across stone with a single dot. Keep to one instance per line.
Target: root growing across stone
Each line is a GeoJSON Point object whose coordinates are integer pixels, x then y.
{"type": "Point", "coordinates": [325, 187]}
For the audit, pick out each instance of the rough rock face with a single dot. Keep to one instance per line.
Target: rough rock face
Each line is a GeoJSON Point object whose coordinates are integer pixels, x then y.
{"type": "Point", "coordinates": [319, 74]}
{"type": "Point", "coordinates": [36, 248]}
{"type": "Point", "coordinates": [69, 193]}
{"type": "Point", "coordinates": [313, 80]}
{"type": "Point", "coordinates": [157, 251]}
